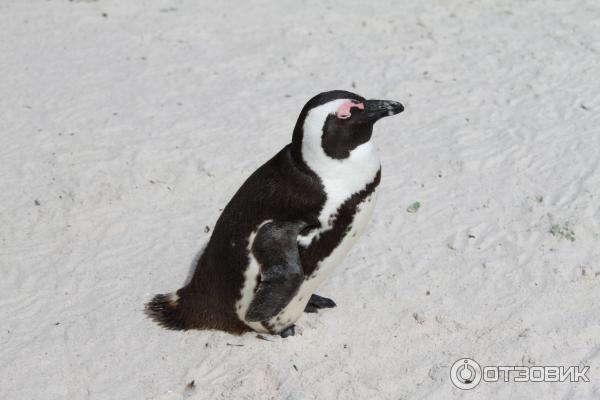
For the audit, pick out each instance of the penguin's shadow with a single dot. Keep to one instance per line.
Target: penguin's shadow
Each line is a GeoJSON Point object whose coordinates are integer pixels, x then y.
{"type": "Point", "coordinates": [194, 264]}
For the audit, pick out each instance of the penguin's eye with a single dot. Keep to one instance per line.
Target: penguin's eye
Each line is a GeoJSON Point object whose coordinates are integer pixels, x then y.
{"type": "Point", "coordinates": [344, 111]}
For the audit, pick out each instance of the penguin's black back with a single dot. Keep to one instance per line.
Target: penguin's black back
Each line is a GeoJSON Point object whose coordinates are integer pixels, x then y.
{"type": "Point", "coordinates": [283, 189]}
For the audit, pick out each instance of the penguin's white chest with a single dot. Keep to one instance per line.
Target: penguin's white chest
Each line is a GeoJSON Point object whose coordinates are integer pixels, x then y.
{"type": "Point", "coordinates": [341, 182]}
{"type": "Point", "coordinates": [295, 308]}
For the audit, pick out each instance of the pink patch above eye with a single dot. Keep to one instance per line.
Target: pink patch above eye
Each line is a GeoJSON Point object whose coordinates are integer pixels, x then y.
{"type": "Point", "coordinates": [344, 111]}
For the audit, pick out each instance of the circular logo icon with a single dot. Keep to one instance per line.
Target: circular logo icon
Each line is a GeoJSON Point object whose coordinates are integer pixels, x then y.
{"type": "Point", "coordinates": [465, 373]}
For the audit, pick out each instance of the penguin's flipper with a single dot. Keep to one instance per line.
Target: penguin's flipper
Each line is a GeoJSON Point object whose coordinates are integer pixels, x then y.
{"type": "Point", "coordinates": [275, 247]}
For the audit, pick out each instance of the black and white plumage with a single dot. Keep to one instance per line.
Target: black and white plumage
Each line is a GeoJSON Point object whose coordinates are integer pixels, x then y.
{"type": "Point", "coordinates": [288, 225]}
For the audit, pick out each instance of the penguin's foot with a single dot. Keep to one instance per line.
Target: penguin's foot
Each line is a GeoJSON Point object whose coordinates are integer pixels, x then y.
{"type": "Point", "coordinates": [289, 331]}
{"type": "Point", "coordinates": [317, 302]}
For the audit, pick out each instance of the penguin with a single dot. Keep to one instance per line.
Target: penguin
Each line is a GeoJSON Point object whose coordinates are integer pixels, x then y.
{"type": "Point", "coordinates": [286, 228]}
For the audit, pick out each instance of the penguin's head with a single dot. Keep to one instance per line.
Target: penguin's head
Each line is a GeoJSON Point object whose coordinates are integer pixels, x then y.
{"type": "Point", "coordinates": [333, 124]}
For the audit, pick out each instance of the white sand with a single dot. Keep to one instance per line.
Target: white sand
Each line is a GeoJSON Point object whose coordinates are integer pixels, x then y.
{"type": "Point", "coordinates": [132, 130]}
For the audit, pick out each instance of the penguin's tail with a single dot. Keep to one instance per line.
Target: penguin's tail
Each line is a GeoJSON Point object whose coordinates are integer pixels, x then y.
{"type": "Point", "coordinates": [167, 311]}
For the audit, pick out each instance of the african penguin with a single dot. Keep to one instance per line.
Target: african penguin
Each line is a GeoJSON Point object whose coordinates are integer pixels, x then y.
{"type": "Point", "coordinates": [288, 225]}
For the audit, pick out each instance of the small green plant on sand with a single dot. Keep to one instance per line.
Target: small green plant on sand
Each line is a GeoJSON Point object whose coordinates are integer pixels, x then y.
{"type": "Point", "coordinates": [414, 207]}
{"type": "Point", "coordinates": [563, 231]}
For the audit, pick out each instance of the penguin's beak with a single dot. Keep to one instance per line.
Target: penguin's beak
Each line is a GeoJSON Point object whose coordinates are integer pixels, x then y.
{"type": "Point", "coordinates": [376, 109]}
